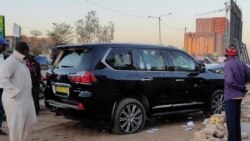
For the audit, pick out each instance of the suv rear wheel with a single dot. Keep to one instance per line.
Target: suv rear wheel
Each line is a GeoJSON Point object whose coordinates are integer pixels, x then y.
{"type": "Point", "coordinates": [129, 117]}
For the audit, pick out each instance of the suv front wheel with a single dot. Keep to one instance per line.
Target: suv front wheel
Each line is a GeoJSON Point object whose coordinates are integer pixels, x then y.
{"type": "Point", "coordinates": [216, 103]}
{"type": "Point", "coordinates": [129, 117]}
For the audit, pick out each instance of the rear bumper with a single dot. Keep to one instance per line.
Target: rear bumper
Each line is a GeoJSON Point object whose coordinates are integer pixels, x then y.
{"type": "Point", "coordinates": [68, 110]}
{"type": "Point", "coordinates": [59, 105]}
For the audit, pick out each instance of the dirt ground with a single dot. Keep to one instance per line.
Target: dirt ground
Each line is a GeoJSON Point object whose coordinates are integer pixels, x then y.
{"type": "Point", "coordinates": [169, 128]}
{"type": "Point", "coordinates": [166, 128]}
{"type": "Point", "coordinates": [56, 128]}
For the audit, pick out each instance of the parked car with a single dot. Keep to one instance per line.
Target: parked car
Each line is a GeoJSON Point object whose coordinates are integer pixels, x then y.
{"type": "Point", "coordinates": [219, 69]}
{"type": "Point", "coordinates": [43, 61]}
{"type": "Point", "coordinates": [207, 62]}
{"type": "Point", "coordinates": [126, 83]}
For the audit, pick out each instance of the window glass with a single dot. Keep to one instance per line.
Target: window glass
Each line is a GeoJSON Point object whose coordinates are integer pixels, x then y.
{"type": "Point", "coordinates": [120, 59]}
{"type": "Point", "coordinates": [74, 58]}
{"type": "Point", "coordinates": [181, 61]}
{"type": "Point", "coordinates": [151, 59]}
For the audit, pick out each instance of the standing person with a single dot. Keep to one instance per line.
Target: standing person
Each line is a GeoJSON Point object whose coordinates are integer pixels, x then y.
{"type": "Point", "coordinates": [236, 74]}
{"type": "Point", "coordinates": [3, 44]}
{"type": "Point", "coordinates": [17, 98]}
{"type": "Point", "coordinates": [35, 72]}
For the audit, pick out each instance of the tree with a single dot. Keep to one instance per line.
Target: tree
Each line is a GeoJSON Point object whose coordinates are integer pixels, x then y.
{"type": "Point", "coordinates": [106, 33]}
{"type": "Point", "coordinates": [89, 30]}
{"type": "Point", "coordinates": [61, 34]}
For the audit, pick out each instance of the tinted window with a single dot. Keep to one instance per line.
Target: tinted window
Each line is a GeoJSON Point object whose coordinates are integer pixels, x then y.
{"type": "Point", "coordinates": [120, 59]}
{"type": "Point", "coordinates": [73, 58]}
{"type": "Point", "coordinates": [181, 61]}
{"type": "Point", "coordinates": [151, 59]}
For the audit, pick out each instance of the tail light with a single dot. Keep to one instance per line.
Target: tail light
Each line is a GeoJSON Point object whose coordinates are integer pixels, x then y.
{"type": "Point", "coordinates": [88, 77]}
{"type": "Point", "coordinates": [80, 106]}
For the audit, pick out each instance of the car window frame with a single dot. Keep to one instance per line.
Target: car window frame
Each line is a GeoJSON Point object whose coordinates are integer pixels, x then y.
{"type": "Point", "coordinates": [171, 67]}
{"type": "Point", "coordinates": [138, 53]}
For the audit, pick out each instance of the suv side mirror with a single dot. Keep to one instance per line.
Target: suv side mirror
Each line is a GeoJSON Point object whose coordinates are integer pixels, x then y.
{"type": "Point", "coordinates": [202, 67]}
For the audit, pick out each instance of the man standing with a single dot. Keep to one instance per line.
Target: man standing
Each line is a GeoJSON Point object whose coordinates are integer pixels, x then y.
{"type": "Point", "coordinates": [17, 98]}
{"type": "Point", "coordinates": [35, 72]}
{"type": "Point", "coordinates": [236, 75]}
{"type": "Point", "coordinates": [3, 44]}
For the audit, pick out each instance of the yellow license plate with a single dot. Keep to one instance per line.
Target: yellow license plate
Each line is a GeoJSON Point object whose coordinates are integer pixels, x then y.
{"type": "Point", "coordinates": [64, 90]}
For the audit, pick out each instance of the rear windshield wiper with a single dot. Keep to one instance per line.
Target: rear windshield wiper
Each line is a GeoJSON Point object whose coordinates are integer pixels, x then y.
{"type": "Point", "coordinates": [64, 66]}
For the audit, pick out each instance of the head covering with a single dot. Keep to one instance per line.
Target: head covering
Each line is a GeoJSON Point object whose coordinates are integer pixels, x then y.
{"type": "Point", "coordinates": [3, 41]}
{"type": "Point", "coordinates": [231, 51]}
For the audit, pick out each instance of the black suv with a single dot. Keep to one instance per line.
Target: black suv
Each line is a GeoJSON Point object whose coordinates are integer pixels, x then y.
{"type": "Point", "coordinates": [125, 83]}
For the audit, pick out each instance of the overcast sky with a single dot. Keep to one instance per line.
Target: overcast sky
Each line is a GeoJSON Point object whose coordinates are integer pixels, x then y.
{"type": "Point", "coordinates": [130, 17]}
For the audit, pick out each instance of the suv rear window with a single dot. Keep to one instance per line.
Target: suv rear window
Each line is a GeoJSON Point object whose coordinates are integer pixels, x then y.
{"type": "Point", "coordinates": [73, 58]}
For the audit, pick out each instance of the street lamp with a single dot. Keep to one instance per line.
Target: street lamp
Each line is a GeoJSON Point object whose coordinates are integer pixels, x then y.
{"type": "Point", "coordinates": [159, 18]}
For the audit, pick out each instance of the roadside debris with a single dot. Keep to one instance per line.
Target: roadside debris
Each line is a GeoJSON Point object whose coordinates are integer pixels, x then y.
{"type": "Point", "coordinates": [215, 129]}
{"type": "Point", "coordinates": [152, 130]}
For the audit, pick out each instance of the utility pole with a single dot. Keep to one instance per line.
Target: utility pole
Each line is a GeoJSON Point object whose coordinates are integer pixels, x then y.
{"type": "Point", "coordinates": [159, 18]}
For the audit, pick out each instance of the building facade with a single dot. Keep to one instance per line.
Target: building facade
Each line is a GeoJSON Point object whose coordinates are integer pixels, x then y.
{"type": "Point", "coordinates": [209, 38]}
{"type": "Point", "coordinates": [41, 45]}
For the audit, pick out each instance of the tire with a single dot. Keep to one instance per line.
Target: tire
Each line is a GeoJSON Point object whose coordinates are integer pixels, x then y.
{"type": "Point", "coordinates": [216, 103]}
{"type": "Point", "coordinates": [129, 117]}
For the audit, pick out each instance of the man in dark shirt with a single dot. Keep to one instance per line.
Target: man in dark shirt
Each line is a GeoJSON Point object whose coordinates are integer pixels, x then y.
{"type": "Point", "coordinates": [236, 75]}
{"type": "Point", "coordinates": [35, 73]}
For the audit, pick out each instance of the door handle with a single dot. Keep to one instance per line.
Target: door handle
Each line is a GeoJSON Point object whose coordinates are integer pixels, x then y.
{"type": "Point", "coordinates": [146, 79]}
{"type": "Point", "coordinates": [179, 80]}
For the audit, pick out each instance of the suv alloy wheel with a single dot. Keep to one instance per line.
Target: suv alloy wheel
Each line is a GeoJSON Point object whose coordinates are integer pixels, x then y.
{"type": "Point", "coordinates": [217, 102]}
{"type": "Point", "coordinates": [129, 117]}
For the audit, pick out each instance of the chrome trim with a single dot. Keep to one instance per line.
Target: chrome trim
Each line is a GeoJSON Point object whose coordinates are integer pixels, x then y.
{"type": "Point", "coordinates": [176, 105]}
{"type": "Point", "coordinates": [179, 80]}
{"type": "Point", "coordinates": [61, 105]}
{"type": "Point", "coordinates": [147, 79]}
{"type": "Point", "coordinates": [104, 57]}
{"type": "Point", "coordinates": [104, 62]}
{"type": "Point", "coordinates": [186, 104]}
{"type": "Point", "coordinates": [67, 96]}
{"type": "Point", "coordinates": [61, 84]}
{"type": "Point", "coordinates": [162, 106]}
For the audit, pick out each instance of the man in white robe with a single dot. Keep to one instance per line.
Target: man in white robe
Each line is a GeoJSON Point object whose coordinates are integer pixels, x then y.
{"type": "Point", "coordinates": [17, 97]}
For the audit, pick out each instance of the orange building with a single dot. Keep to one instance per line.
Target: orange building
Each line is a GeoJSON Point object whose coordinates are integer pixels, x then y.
{"type": "Point", "coordinates": [33, 42]}
{"type": "Point", "coordinates": [209, 37]}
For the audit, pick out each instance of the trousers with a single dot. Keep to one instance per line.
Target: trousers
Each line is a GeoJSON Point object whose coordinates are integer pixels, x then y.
{"type": "Point", "coordinates": [233, 110]}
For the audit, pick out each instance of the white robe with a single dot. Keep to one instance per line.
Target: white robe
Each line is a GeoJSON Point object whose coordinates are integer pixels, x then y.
{"type": "Point", "coordinates": [17, 98]}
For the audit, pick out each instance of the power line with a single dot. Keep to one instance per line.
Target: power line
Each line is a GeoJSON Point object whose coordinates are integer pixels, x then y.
{"type": "Point", "coordinates": [115, 11]}
{"type": "Point", "coordinates": [175, 29]}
